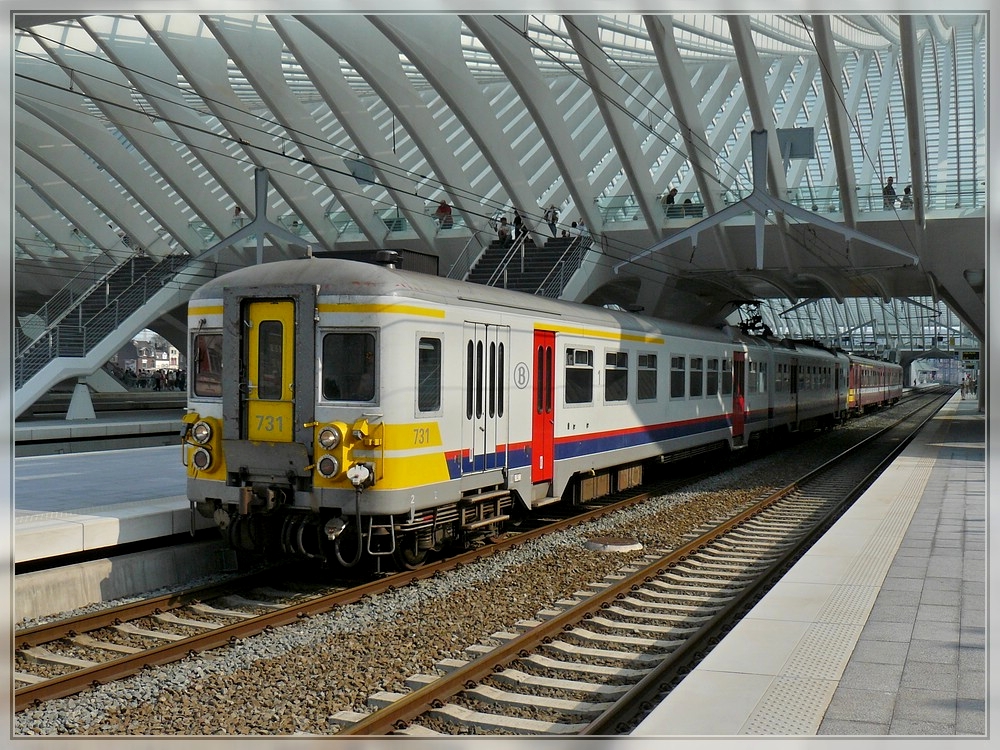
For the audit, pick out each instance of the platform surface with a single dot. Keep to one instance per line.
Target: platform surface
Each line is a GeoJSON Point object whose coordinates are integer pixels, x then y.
{"type": "Point", "coordinates": [880, 629]}
{"type": "Point", "coordinates": [79, 502]}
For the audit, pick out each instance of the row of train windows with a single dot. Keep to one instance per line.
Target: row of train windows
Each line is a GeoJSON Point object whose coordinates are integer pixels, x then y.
{"type": "Point", "coordinates": [809, 377]}
{"type": "Point", "coordinates": [349, 370]}
{"type": "Point", "coordinates": [349, 367]}
{"type": "Point", "coordinates": [691, 377]}
{"type": "Point", "coordinates": [872, 376]}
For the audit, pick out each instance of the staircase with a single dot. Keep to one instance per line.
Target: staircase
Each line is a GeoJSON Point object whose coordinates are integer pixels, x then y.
{"type": "Point", "coordinates": [541, 270]}
{"type": "Point", "coordinates": [76, 323]}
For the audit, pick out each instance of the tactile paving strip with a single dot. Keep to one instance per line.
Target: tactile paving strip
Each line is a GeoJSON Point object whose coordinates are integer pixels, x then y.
{"type": "Point", "coordinates": [797, 699]}
{"type": "Point", "coordinates": [789, 704]}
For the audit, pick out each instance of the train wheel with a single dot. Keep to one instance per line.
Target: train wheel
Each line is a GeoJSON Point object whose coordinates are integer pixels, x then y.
{"type": "Point", "coordinates": [407, 557]}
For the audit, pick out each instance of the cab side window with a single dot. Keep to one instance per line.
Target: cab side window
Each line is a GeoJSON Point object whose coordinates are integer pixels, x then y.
{"type": "Point", "coordinates": [349, 366]}
{"type": "Point", "coordinates": [428, 374]}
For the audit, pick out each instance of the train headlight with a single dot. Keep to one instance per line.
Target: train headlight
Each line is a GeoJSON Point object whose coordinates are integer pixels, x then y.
{"type": "Point", "coordinates": [202, 459]}
{"type": "Point", "coordinates": [328, 466]}
{"type": "Point", "coordinates": [329, 438]}
{"type": "Point", "coordinates": [201, 432]}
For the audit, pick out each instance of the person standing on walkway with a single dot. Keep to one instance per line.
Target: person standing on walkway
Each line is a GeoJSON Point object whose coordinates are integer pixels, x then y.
{"type": "Point", "coordinates": [888, 194]}
{"type": "Point", "coordinates": [443, 215]}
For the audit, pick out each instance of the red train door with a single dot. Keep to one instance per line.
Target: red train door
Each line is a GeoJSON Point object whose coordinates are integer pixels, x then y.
{"type": "Point", "coordinates": [739, 397]}
{"type": "Point", "coordinates": [543, 417]}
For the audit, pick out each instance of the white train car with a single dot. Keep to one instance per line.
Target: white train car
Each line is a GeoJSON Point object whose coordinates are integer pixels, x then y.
{"type": "Point", "coordinates": [340, 409]}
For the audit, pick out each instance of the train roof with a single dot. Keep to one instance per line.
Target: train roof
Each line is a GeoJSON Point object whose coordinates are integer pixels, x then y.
{"type": "Point", "coordinates": [352, 278]}
{"type": "Point", "coordinates": [340, 277]}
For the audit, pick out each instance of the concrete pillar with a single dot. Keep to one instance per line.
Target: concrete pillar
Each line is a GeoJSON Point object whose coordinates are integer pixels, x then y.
{"type": "Point", "coordinates": [80, 405]}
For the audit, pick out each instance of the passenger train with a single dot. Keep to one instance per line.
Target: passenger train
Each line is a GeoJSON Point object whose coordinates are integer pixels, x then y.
{"type": "Point", "coordinates": [343, 411]}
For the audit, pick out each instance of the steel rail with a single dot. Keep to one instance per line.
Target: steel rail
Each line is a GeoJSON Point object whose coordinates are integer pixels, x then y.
{"type": "Point", "coordinates": [641, 696]}
{"type": "Point", "coordinates": [52, 631]}
{"type": "Point", "coordinates": [124, 666]}
{"type": "Point", "coordinates": [402, 712]}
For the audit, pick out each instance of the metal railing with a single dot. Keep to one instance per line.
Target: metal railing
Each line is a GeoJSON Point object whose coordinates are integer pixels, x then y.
{"type": "Point", "coordinates": [464, 263]}
{"type": "Point", "coordinates": [66, 299]}
{"type": "Point", "coordinates": [96, 315]}
{"type": "Point", "coordinates": [572, 258]}
{"type": "Point", "coordinates": [937, 196]}
{"type": "Point", "coordinates": [517, 247]}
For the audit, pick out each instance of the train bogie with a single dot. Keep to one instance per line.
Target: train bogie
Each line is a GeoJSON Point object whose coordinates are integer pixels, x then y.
{"type": "Point", "coordinates": [340, 410]}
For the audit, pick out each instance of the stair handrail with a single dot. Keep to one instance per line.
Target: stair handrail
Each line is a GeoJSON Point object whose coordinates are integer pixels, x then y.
{"type": "Point", "coordinates": [78, 340]}
{"type": "Point", "coordinates": [501, 270]}
{"type": "Point", "coordinates": [572, 256]}
{"type": "Point", "coordinates": [62, 302]}
{"type": "Point", "coordinates": [456, 270]}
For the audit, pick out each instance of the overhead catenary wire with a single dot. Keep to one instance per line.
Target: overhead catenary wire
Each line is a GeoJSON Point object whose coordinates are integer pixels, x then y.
{"type": "Point", "coordinates": [826, 251]}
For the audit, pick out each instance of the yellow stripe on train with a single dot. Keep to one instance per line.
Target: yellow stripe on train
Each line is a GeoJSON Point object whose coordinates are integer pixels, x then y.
{"type": "Point", "coordinates": [404, 455]}
{"type": "Point", "coordinates": [396, 473]}
{"type": "Point", "coordinates": [642, 338]}
{"type": "Point", "coordinates": [395, 309]}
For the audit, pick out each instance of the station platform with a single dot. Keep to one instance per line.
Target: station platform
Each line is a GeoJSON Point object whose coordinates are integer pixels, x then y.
{"type": "Point", "coordinates": [81, 502]}
{"type": "Point", "coordinates": [93, 502]}
{"type": "Point", "coordinates": [108, 431]}
{"type": "Point", "coordinates": [880, 628]}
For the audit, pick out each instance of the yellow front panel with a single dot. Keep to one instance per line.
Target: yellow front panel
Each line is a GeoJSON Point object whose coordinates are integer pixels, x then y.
{"type": "Point", "coordinates": [270, 421]}
{"type": "Point", "coordinates": [271, 370]}
{"type": "Point", "coordinates": [404, 455]}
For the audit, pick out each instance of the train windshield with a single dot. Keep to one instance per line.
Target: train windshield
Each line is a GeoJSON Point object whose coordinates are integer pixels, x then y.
{"type": "Point", "coordinates": [349, 366]}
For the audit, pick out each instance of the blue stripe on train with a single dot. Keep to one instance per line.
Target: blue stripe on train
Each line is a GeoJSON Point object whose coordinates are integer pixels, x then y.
{"type": "Point", "coordinates": [520, 456]}
{"type": "Point", "coordinates": [588, 445]}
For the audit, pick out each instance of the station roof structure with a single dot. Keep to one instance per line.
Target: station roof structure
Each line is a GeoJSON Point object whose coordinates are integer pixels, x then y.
{"type": "Point", "coordinates": [163, 134]}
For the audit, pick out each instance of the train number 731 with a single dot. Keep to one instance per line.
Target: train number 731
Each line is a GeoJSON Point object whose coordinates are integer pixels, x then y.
{"type": "Point", "coordinates": [268, 423]}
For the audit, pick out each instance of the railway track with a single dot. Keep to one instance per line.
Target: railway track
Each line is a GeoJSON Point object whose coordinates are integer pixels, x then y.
{"type": "Point", "coordinates": [65, 657]}
{"type": "Point", "coordinates": [594, 664]}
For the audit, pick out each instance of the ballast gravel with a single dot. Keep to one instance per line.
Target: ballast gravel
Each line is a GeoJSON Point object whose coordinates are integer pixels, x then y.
{"type": "Point", "coordinates": [293, 679]}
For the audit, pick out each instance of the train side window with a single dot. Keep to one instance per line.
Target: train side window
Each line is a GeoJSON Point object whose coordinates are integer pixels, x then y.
{"type": "Point", "coordinates": [493, 379]}
{"type": "Point", "coordinates": [751, 377]}
{"type": "Point", "coordinates": [349, 366]}
{"type": "Point", "coordinates": [763, 377]}
{"type": "Point", "coordinates": [727, 377]}
{"type": "Point", "coordinates": [646, 377]}
{"type": "Point", "coordinates": [207, 365]}
{"type": "Point", "coordinates": [579, 376]}
{"type": "Point", "coordinates": [500, 379]}
{"type": "Point", "coordinates": [470, 369]}
{"type": "Point", "coordinates": [677, 373]}
{"type": "Point", "coordinates": [712, 377]}
{"type": "Point", "coordinates": [696, 377]}
{"type": "Point", "coordinates": [616, 376]}
{"type": "Point", "coordinates": [428, 374]}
